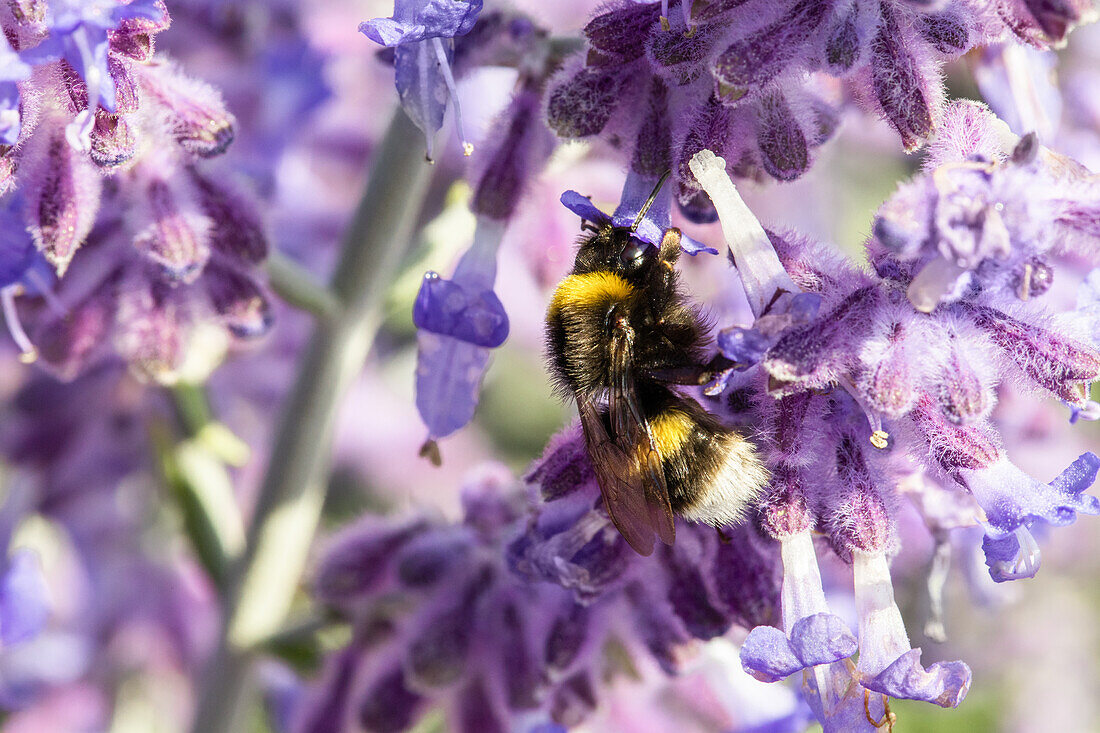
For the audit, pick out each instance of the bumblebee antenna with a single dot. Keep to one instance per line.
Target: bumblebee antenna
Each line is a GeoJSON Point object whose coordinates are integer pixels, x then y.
{"type": "Point", "coordinates": [649, 201]}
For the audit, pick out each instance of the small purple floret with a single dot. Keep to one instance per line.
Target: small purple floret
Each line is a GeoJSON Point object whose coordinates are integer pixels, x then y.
{"type": "Point", "coordinates": [745, 346]}
{"type": "Point", "coordinates": [475, 316]}
{"type": "Point", "coordinates": [416, 20]}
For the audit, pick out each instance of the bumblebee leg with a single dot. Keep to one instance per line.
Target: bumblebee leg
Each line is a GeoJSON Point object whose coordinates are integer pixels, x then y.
{"type": "Point", "coordinates": [691, 374]}
{"type": "Point", "coordinates": [670, 246]}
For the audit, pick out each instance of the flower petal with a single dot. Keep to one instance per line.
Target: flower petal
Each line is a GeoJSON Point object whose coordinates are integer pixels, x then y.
{"type": "Point", "coordinates": [448, 378]}
{"type": "Point", "coordinates": [944, 683]}
{"type": "Point", "coordinates": [475, 316]}
{"type": "Point", "coordinates": [767, 655]}
{"type": "Point", "coordinates": [822, 638]}
{"type": "Point", "coordinates": [437, 19]}
{"type": "Point", "coordinates": [583, 207]}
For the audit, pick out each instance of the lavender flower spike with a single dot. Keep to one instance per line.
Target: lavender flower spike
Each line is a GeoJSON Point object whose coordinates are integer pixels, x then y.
{"type": "Point", "coordinates": [751, 250]}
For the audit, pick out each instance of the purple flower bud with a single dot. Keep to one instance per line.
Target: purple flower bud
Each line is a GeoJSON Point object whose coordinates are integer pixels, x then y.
{"type": "Point", "coordinates": [438, 654]}
{"type": "Point", "coordinates": [814, 355]}
{"type": "Point", "coordinates": [61, 193]}
{"type": "Point", "coordinates": [581, 100]}
{"type": "Point", "coordinates": [429, 558]}
{"type": "Point", "coordinates": [842, 45]}
{"type": "Point", "coordinates": [525, 680]}
{"type": "Point", "coordinates": [857, 517]}
{"type": "Point", "coordinates": [965, 394]}
{"type": "Point", "coordinates": [901, 85]}
{"type": "Point", "coordinates": [954, 447]}
{"type": "Point", "coordinates": [567, 637]}
{"type": "Point", "coordinates": [238, 301]}
{"type": "Point", "coordinates": [783, 148]}
{"type": "Point", "coordinates": [127, 87]}
{"type": "Point", "coordinates": [783, 510]}
{"type": "Point", "coordinates": [113, 142]}
{"type": "Point", "coordinates": [152, 331]}
{"type": "Point", "coordinates": [680, 58]}
{"type": "Point", "coordinates": [236, 230]}
{"type": "Point", "coordinates": [615, 35]}
{"type": "Point", "coordinates": [358, 560]}
{"type": "Point", "coordinates": [1053, 361]}
{"type": "Point", "coordinates": [944, 30]}
{"type": "Point", "coordinates": [196, 114]}
{"type": "Point", "coordinates": [69, 343]}
{"type": "Point", "coordinates": [688, 595]}
{"type": "Point", "coordinates": [388, 705]}
{"type": "Point", "coordinates": [476, 711]}
{"type": "Point", "coordinates": [1045, 22]}
{"type": "Point", "coordinates": [175, 236]}
{"type": "Point", "coordinates": [564, 468]}
{"type": "Point", "coordinates": [887, 381]}
{"type": "Point", "coordinates": [708, 129]}
{"type": "Point", "coordinates": [520, 146]}
{"type": "Point", "coordinates": [757, 58]}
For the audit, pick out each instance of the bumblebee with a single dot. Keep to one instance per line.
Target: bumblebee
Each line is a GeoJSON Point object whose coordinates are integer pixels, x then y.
{"type": "Point", "coordinates": [620, 336]}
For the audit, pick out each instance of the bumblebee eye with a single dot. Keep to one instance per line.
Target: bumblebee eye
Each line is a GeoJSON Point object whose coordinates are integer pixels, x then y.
{"type": "Point", "coordinates": [634, 254]}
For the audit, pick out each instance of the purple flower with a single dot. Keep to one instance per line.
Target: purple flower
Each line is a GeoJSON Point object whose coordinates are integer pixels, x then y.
{"type": "Point", "coordinates": [887, 664]}
{"type": "Point", "coordinates": [651, 227]}
{"type": "Point", "coordinates": [422, 33]}
{"type": "Point", "coordinates": [1014, 502]}
{"type": "Point", "coordinates": [78, 33]}
{"type": "Point", "coordinates": [459, 320]}
{"type": "Point", "coordinates": [12, 70]}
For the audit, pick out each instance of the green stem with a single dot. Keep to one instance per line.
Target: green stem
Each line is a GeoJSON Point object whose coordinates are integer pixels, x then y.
{"type": "Point", "coordinates": [298, 288]}
{"type": "Point", "coordinates": [288, 509]}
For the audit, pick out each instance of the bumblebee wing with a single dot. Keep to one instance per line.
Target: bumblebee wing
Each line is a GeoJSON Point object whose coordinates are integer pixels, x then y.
{"type": "Point", "coordinates": [619, 475]}
{"type": "Point", "coordinates": [633, 434]}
